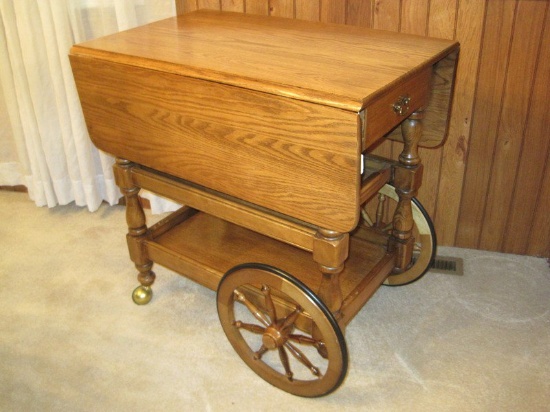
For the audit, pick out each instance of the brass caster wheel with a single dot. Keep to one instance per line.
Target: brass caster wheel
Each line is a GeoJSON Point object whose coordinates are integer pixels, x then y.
{"type": "Point", "coordinates": [379, 214]}
{"type": "Point", "coordinates": [142, 295]}
{"type": "Point", "coordinates": [282, 330]}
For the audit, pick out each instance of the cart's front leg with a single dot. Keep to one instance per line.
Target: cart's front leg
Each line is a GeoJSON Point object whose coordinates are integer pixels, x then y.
{"type": "Point", "coordinates": [137, 232]}
{"type": "Point", "coordinates": [330, 251]}
{"type": "Point", "coordinates": [407, 181]}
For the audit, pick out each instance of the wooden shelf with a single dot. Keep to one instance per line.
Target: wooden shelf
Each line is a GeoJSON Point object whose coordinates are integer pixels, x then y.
{"type": "Point", "coordinates": [203, 247]}
{"type": "Point", "coordinates": [376, 173]}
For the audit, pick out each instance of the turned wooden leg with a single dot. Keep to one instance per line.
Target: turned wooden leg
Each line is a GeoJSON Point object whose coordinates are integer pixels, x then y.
{"type": "Point", "coordinates": [330, 250]}
{"type": "Point", "coordinates": [137, 232]}
{"type": "Point", "coordinates": [407, 181]}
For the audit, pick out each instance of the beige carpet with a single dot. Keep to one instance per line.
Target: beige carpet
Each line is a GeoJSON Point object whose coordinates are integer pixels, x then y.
{"type": "Point", "coordinates": [72, 340]}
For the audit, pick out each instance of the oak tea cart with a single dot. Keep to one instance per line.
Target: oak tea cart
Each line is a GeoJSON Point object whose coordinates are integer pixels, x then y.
{"type": "Point", "coordinates": [263, 128]}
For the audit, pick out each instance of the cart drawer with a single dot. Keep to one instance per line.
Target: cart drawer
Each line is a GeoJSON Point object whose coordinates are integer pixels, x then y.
{"type": "Point", "coordinates": [381, 114]}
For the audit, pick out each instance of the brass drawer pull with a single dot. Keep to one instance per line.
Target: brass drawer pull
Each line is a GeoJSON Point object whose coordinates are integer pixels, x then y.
{"type": "Point", "coordinates": [401, 106]}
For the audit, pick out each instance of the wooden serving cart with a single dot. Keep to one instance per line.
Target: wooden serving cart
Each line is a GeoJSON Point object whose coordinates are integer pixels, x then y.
{"type": "Point", "coordinates": [262, 127]}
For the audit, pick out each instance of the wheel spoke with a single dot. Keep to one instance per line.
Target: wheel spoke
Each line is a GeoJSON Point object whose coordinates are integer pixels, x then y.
{"type": "Point", "coordinates": [380, 210]}
{"type": "Point", "coordinates": [249, 327]}
{"type": "Point", "coordinates": [269, 303]}
{"type": "Point", "coordinates": [285, 362]}
{"type": "Point", "coordinates": [290, 319]}
{"type": "Point", "coordinates": [368, 220]}
{"type": "Point", "coordinates": [306, 340]}
{"type": "Point", "coordinates": [302, 339]}
{"type": "Point", "coordinates": [299, 355]}
{"type": "Point", "coordinates": [260, 352]}
{"type": "Point", "coordinates": [322, 349]}
{"type": "Point", "coordinates": [257, 313]}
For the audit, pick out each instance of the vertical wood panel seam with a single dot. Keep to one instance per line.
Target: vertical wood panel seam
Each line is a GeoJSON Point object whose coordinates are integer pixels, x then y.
{"type": "Point", "coordinates": [428, 10]}
{"type": "Point", "coordinates": [440, 165]}
{"type": "Point", "coordinates": [526, 248]}
{"type": "Point", "coordinates": [400, 18]}
{"type": "Point", "coordinates": [435, 208]}
{"type": "Point", "coordinates": [427, 30]}
{"type": "Point", "coordinates": [472, 120]}
{"type": "Point", "coordinates": [457, 8]}
{"type": "Point", "coordinates": [371, 8]}
{"type": "Point", "coordinates": [505, 83]}
{"type": "Point", "coordinates": [345, 12]}
{"type": "Point", "coordinates": [394, 150]}
{"type": "Point", "coordinates": [440, 157]}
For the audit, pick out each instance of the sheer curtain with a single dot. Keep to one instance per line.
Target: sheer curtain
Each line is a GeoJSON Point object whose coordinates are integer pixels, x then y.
{"type": "Point", "coordinates": [44, 143]}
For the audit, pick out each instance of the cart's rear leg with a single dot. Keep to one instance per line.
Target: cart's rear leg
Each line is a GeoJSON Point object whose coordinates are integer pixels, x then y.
{"type": "Point", "coordinates": [378, 216]}
{"type": "Point", "coordinates": [410, 229]}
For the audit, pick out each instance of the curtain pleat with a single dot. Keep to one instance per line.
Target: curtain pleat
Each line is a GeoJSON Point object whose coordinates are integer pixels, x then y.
{"type": "Point", "coordinates": [51, 152]}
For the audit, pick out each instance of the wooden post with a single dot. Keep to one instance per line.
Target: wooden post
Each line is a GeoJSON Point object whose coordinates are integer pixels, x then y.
{"type": "Point", "coordinates": [330, 250]}
{"type": "Point", "coordinates": [407, 181]}
{"type": "Point", "coordinates": [137, 228]}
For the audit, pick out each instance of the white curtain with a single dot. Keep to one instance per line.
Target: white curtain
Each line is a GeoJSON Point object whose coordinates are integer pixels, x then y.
{"type": "Point", "coordinates": [44, 143]}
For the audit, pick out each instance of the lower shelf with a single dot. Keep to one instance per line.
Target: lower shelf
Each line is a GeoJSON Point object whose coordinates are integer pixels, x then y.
{"type": "Point", "coordinates": [204, 247]}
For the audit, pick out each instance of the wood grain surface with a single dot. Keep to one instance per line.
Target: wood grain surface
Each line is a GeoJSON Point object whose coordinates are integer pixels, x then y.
{"type": "Point", "coordinates": [341, 66]}
{"type": "Point", "coordinates": [272, 111]}
{"type": "Point", "coordinates": [294, 157]}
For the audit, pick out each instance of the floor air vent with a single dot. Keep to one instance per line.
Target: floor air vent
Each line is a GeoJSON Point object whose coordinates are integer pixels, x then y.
{"type": "Point", "coordinates": [448, 265]}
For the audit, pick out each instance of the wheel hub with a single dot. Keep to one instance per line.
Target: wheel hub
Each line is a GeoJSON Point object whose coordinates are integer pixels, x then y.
{"type": "Point", "coordinates": [273, 338]}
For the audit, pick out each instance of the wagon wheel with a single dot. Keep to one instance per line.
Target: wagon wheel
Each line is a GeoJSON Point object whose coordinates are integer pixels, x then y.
{"type": "Point", "coordinates": [261, 309]}
{"type": "Point", "coordinates": [378, 215]}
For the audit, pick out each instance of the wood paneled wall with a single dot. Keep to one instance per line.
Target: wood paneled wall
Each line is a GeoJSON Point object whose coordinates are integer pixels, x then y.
{"type": "Point", "coordinates": [488, 187]}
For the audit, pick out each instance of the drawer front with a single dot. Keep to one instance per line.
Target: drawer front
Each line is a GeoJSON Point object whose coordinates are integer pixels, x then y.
{"type": "Point", "coordinates": [297, 158]}
{"type": "Point", "coordinates": [436, 116]}
{"type": "Point", "coordinates": [382, 114]}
